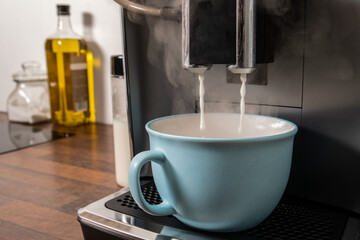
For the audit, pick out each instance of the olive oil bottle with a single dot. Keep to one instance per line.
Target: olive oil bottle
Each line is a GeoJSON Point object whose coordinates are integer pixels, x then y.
{"type": "Point", "coordinates": [70, 74]}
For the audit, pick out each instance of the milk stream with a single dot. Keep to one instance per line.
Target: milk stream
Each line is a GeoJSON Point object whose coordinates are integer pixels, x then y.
{"type": "Point", "coordinates": [242, 100]}
{"type": "Point", "coordinates": [202, 93]}
{"type": "Point", "coordinates": [243, 78]}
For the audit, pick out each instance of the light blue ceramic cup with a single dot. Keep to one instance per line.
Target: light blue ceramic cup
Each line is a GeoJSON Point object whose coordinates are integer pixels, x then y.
{"type": "Point", "coordinates": [219, 180]}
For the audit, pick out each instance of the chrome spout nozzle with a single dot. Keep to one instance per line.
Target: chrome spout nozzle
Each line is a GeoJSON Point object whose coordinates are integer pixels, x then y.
{"type": "Point", "coordinates": [245, 37]}
{"type": "Point", "coordinates": [198, 69]}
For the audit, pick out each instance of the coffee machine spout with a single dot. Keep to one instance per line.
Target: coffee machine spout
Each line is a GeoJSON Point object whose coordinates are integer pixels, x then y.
{"type": "Point", "coordinates": [219, 32]}
{"type": "Point", "coordinates": [245, 37]}
{"type": "Point", "coordinates": [198, 69]}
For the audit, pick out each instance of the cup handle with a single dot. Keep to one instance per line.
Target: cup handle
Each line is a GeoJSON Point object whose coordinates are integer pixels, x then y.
{"type": "Point", "coordinates": [136, 164]}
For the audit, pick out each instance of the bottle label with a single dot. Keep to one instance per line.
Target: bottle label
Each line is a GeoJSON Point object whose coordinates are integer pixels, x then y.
{"type": "Point", "coordinates": [79, 79]}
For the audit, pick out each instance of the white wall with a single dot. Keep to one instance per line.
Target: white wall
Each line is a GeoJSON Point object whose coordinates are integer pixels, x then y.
{"type": "Point", "coordinates": [25, 25]}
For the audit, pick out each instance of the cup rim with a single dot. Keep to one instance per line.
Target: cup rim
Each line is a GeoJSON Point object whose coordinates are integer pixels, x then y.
{"type": "Point", "coordinates": [151, 131]}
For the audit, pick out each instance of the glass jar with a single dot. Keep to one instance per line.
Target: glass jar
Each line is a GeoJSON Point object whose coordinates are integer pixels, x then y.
{"type": "Point", "coordinates": [29, 102]}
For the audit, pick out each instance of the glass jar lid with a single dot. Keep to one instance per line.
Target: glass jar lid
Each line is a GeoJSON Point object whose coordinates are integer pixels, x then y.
{"type": "Point", "coordinates": [31, 72]}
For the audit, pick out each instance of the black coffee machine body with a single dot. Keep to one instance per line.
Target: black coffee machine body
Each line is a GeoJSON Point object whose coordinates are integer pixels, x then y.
{"type": "Point", "coordinates": [311, 78]}
{"type": "Point", "coordinates": [307, 71]}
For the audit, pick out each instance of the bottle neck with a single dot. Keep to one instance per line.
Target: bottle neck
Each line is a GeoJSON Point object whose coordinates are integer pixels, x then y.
{"type": "Point", "coordinates": [64, 23]}
{"type": "Point", "coordinates": [64, 29]}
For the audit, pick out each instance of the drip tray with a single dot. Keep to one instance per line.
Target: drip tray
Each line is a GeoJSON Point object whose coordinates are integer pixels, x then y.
{"type": "Point", "coordinates": [292, 219]}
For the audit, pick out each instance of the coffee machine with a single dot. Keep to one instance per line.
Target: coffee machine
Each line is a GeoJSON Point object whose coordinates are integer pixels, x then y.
{"type": "Point", "coordinates": [301, 57]}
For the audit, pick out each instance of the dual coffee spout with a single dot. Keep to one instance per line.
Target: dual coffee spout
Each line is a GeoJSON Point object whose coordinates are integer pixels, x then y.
{"type": "Point", "coordinates": [213, 32]}
{"type": "Point", "coordinates": [219, 32]}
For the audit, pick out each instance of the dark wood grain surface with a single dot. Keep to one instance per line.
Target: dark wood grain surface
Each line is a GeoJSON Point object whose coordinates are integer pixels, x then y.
{"type": "Point", "coordinates": [42, 187]}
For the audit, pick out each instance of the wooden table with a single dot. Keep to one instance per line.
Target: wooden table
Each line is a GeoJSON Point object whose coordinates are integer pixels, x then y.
{"type": "Point", "coordinates": [42, 187]}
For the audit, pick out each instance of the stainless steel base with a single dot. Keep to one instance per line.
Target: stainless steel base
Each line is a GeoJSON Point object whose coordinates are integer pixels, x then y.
{"type": "Point", "coordinates": [105, 223]}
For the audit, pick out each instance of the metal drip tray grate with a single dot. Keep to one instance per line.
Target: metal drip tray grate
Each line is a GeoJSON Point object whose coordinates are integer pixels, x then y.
{"type": "Point", "coordinates": [292, 219]}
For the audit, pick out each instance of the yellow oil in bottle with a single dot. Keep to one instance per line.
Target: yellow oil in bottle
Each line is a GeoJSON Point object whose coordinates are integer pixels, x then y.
{"type": "Point", "coordinates": [71, 83]}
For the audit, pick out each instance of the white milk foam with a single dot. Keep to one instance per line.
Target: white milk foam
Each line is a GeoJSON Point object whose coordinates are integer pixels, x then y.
{"type": "Point", "coordinates": [221, 125]}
